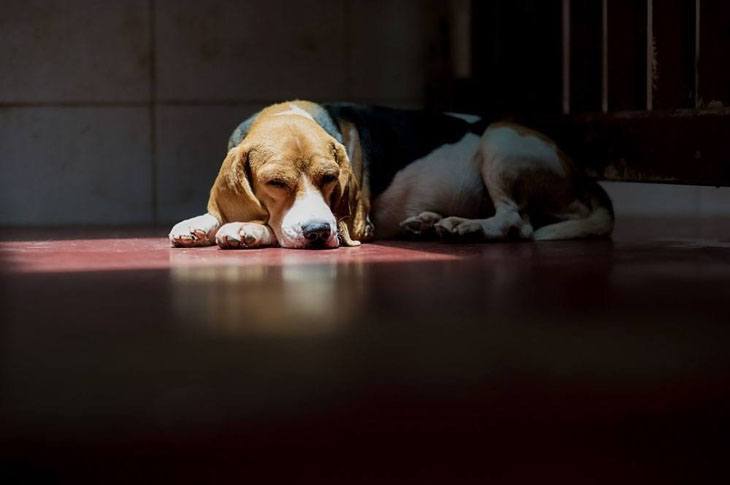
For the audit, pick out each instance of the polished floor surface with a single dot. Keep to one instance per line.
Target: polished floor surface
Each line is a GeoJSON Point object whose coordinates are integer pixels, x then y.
{"type": "Point", "coordinates": [125, 361]}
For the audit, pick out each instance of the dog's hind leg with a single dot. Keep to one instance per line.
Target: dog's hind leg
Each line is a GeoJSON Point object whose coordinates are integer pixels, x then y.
{"type": "Point", "coordinates": [592, 218]}
{"type": "Point", "coordinates": [421, 226]}
{"type": "Point", "coordinates": [506, 174]}
{"type": "Point", "coordinates": [506, 223]}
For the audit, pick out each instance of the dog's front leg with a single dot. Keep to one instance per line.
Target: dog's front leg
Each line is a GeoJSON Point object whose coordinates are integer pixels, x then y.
{"type": "Point", "coordinates": [193, 232]}
{"type": "Point", "coordinates": [245, 235]}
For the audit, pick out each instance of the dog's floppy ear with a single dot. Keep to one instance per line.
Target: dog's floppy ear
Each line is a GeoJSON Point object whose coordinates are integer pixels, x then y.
{"type": "Point", "coordinates": [349, 204]}
{"type": "Point", "coordinates": [231, 197]}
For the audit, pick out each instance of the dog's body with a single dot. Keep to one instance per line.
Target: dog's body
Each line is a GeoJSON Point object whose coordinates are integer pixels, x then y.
{"type": "Point", "coordinates": [299, 174]}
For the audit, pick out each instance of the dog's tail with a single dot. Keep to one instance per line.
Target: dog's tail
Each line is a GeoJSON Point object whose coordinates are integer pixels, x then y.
{"type": "Point", "coordinates": [598, 223]}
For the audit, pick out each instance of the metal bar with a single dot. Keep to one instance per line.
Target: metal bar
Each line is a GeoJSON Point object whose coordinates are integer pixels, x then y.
{"type": "Point", "coordinates": [461, 38]}
{"type": "Point", "coordinates": [604, 56]}
{"type": "Point", "coordinates": [566, 56]}
{"type": "Point", "coordinates": [696, 78]}
{"type": "Point", "coordinates": [650, 55]}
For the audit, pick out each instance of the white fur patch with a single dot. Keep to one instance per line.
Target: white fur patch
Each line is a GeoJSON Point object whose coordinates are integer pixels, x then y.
{"type": "Point", "coordinates": [508, 144]}
{"type": "Point", "coordinates": [446, 181]}
{"type": "Point", "coordinates": [353, 135]}
{"type": "Point", "coordinates": [244, 235]}
{"type": "Point", "coordinates": [196, 231]}
{"type": "Point", "coordinates": [466, 117]}
{"type": "Point", "coordinates": [295, 111]}
{"type": "Point", "coordinates": [309, 206]}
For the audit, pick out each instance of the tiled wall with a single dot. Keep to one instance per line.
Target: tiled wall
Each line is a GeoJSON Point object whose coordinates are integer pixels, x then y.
{"type": "Point", "coordinates": [74, 126]}
{"type": "Point", "coordinates": [119, 112]}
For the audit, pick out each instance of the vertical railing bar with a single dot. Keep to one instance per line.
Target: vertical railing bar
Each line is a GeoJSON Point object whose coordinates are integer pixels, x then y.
{"type": "Point", "coordinates": [650, 55]}
{"type": "Point", "coordinates": [696, 85]}
{"type": "Point", "coordinates": [461, 38]}
{"type": "Point", "coordinates": [604, 56]}
{"type": "Point", "coordinates": [566, 57]}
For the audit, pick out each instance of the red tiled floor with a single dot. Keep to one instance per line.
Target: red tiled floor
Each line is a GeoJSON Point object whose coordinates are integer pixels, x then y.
{"type": "Point", "coordinates": [123, 360]}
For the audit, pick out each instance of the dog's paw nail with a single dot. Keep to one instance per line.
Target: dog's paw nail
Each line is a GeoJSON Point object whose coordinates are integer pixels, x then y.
{"type": "Point", "coordinates": [249, 239]}
{"type": "Point", "coordinates": [223, 242]}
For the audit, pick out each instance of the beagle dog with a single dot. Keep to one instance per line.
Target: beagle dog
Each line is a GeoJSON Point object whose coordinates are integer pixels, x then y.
{"type": "Point", "coordinates": [305, 175]}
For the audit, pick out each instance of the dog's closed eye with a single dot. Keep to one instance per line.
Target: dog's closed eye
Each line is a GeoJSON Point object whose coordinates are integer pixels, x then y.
{"type": "Point", "coordinates": [327, 178]}
{"type": "Point", "coordinates": [278, 183]}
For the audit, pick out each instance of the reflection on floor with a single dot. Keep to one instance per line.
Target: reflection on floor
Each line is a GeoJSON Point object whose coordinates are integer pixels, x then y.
{"type": "Point", "coordinates": [123, 360]}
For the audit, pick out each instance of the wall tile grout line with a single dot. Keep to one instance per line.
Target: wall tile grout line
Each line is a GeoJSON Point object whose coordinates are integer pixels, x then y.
{"type": "Point", "coordinates": [74, 104]}
{"type": "Point", "coordinates": [232, 102]}
{"type": "Point", "coordinates": [153, 110]}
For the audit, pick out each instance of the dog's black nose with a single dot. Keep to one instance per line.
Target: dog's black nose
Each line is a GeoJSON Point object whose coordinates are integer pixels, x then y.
{"type": "Point", "coordinates": [316, 231]}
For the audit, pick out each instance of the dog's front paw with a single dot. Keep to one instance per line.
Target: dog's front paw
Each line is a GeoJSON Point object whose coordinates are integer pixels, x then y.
{"type": "Point", "coordinates": [194, 232]}
{"type": "Point", "coordinates": [242, 235]}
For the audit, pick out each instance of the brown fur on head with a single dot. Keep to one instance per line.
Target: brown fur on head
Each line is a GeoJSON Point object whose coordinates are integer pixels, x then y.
{"type": "Point", "coordinates": [289, 173]}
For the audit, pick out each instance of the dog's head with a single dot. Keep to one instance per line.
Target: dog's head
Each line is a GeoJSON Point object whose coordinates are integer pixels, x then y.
{"type": "Point", "coordinates": [290, 173]}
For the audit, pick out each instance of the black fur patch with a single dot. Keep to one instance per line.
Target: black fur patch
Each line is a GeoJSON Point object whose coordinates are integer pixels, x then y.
{"type": "Point", "coordinates": [241, 131]}
{"type": "Point", "coordinates": [392, 138]}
